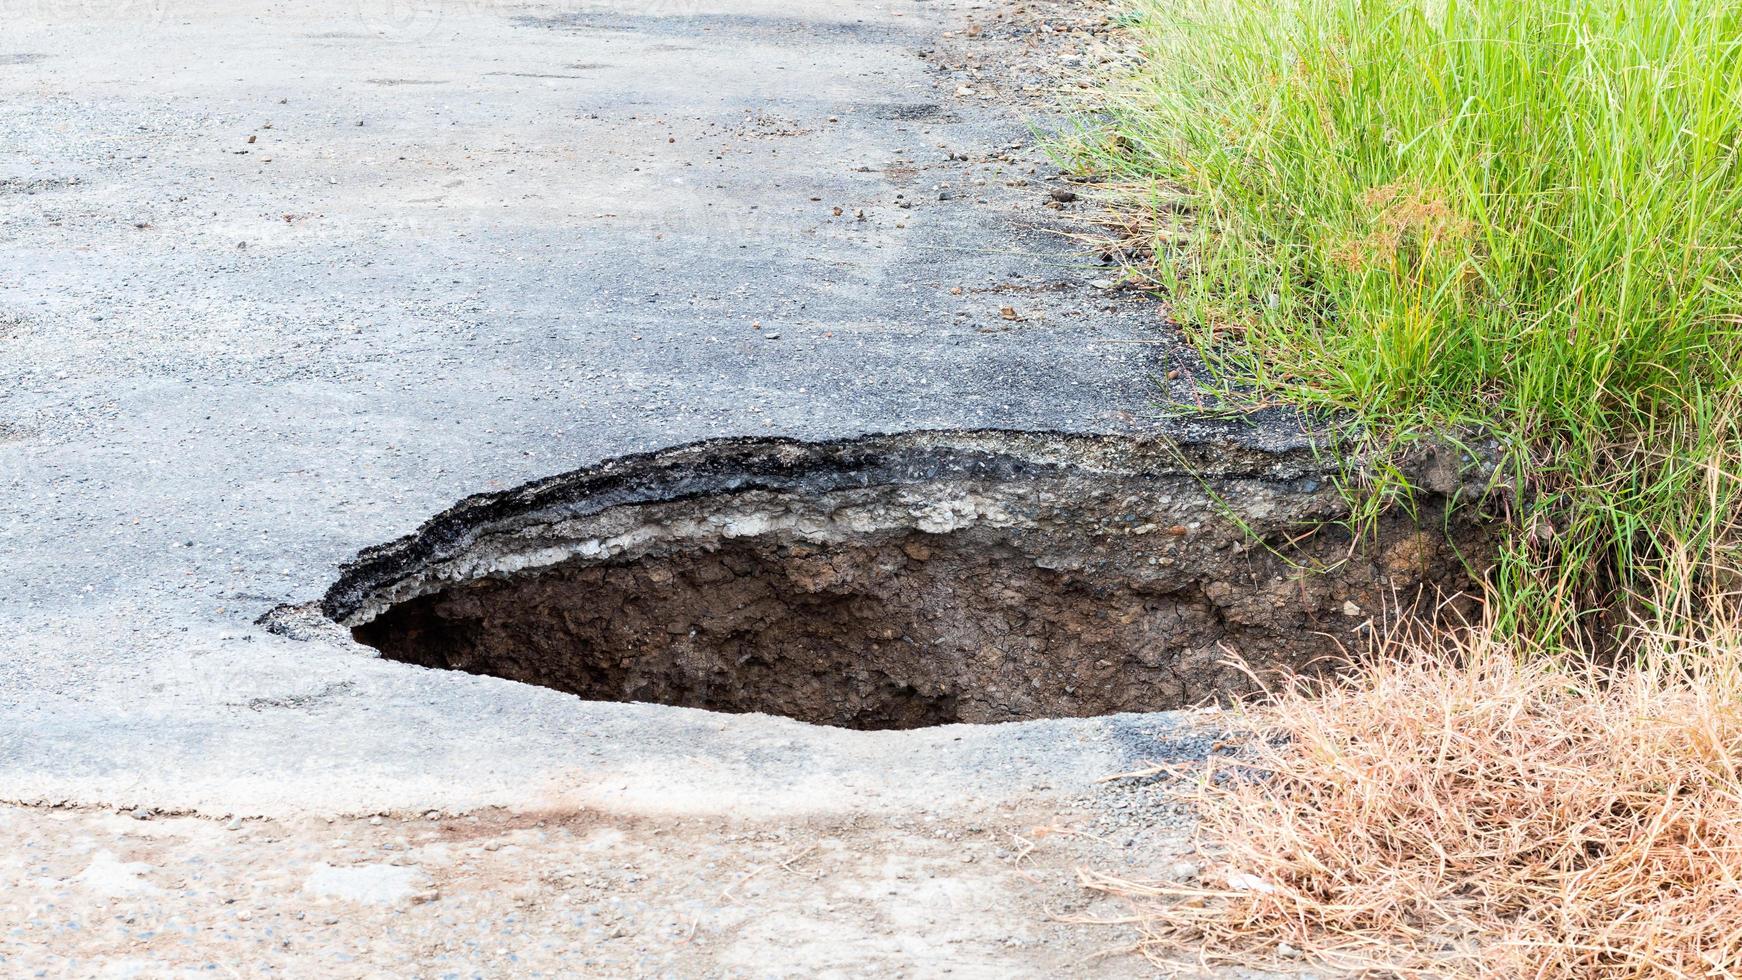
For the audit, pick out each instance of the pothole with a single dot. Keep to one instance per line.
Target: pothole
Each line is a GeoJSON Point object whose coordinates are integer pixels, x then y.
{"type": "Point", "coordinates": [910, 580]}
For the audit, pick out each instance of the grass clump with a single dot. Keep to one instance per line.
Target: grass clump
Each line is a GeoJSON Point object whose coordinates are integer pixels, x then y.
{"type": "Point", "coordinates": [1451, 812]}
{"type": "Point", "coordinates": [1519, 215]}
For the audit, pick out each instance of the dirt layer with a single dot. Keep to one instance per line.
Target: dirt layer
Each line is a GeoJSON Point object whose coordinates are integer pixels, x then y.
{"type": "Point", "coordinates": [1040, 580]}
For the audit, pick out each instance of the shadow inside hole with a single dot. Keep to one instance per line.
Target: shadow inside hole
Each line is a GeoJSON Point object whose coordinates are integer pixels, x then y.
{"type": "Point", "coordinates": [903, 630]}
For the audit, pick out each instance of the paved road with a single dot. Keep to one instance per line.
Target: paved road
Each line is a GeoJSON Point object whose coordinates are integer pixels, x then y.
{"type": "Point", "coordinates": [281, 280]}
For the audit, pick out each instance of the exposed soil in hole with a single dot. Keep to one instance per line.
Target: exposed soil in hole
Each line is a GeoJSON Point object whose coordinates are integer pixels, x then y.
{"type": "Point", "coordinates": [905, 581]}
{"type": "Point", "coordinates": [901, 631]}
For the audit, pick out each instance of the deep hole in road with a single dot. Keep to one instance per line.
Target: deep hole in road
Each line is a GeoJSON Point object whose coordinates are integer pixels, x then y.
{"type": "Point", "coordinates": [897, 582]}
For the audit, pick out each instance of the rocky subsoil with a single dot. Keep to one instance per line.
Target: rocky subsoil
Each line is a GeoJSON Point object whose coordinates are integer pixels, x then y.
{"type": "Point", "coordinates": [916, 579]}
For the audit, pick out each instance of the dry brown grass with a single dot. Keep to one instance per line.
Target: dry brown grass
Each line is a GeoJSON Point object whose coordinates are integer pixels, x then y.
{"type": "Point", "coordinates": [1458, 810]}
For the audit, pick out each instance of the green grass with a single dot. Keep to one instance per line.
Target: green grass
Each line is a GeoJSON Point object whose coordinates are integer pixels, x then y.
{"type": "Point", "coordinates": [1522, 215]}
